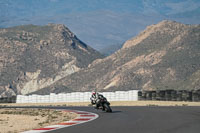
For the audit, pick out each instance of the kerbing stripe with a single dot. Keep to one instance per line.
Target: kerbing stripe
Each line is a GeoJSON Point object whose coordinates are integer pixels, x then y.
{"type": "Point", "coordinates": [44, 129]}
{"type": "Point", "coordinates": [87, 115]}
{"type": "Point", "coordinates": [82, 118]}
{"type": "Point", "coordinates": [69, 123]}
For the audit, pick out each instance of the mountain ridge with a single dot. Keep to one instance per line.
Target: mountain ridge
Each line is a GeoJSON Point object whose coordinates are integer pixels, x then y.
{"type": "Point", "coordinates": [33, 57]}
{"type": "Point", "coordinates": [99, 23]}
{"type": "Point", "coordinates": [163, 56]}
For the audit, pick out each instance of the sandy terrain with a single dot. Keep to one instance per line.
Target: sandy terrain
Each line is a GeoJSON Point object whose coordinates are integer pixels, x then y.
{"type": "Point", "coordinates": [17, 120]}
{"type": "Point", "coordinates": [116, 103]}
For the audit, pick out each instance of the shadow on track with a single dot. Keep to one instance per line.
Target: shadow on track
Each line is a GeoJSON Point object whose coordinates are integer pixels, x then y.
{"type": "Point", "coordinates": [113, 112]}
{"type": "Point", "coordinates": [116, 111]}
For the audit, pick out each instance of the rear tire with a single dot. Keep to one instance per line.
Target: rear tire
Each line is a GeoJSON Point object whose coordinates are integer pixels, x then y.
{"type": "Point", "coordinates": [107, 108]}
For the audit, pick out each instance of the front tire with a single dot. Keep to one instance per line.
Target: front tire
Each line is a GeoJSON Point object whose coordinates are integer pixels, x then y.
{"type": "Point", "coordinates": [107, 108]}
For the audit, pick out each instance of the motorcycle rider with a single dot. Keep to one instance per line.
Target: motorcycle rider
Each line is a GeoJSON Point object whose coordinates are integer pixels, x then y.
{"type": "Point", "coordinates": [95, 99]}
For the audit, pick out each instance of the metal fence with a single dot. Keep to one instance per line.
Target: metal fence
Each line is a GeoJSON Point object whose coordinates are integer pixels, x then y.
{"type": "Point", "coordinates": [8, 99]}
{"type": "Point", "coordinates": [170, 95]}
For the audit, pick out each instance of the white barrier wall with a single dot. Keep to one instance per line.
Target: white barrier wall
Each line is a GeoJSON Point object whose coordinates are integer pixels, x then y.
{"type": "Point", "coordinates": [131, 95]}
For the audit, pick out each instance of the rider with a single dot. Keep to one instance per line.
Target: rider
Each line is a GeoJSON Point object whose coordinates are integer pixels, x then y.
{"type": "Point", "coordinates": [95, 99]}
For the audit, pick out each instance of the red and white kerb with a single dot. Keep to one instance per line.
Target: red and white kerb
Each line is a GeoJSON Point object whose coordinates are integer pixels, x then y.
{"type": "Point", "coordinates": [82, 118]}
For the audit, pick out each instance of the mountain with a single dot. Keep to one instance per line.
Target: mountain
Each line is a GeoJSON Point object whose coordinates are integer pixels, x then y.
{"type": "Point", "coordinates": [163, 56]}
{"type": "Point", "coordinates": [99, 23]}
{"type": "Point", "coordinates": [33, 57]}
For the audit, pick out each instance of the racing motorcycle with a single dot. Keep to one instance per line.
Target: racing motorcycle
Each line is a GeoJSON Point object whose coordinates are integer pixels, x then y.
{"type": "Point", "coordinates": [103, 104]}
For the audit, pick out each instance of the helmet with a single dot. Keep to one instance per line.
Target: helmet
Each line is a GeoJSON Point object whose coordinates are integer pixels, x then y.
{"type": "Point", "coordinates": [93, 93]}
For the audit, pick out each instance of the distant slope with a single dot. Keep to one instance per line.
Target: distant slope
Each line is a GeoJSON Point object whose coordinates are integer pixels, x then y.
{"type": "Point", "coordinates": [33, 57]}
{"type": "Point", "coordinates": [99, 23]}
{"type": "Point", "coordinates": [164, 56]}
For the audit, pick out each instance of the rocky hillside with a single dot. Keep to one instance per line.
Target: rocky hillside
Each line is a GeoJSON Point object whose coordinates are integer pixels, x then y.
{"type": "Point", "coordinates": [33, 57]}
{"type": "Point", "coordinates": [164, 56]}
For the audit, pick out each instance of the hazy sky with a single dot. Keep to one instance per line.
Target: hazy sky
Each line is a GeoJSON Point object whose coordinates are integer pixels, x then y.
{"type": "Point", "coordinates": [99, 23]}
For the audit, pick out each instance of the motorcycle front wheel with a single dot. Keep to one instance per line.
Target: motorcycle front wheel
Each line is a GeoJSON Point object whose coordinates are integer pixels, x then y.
{"type": "Point", "coordinates": [107, 108]}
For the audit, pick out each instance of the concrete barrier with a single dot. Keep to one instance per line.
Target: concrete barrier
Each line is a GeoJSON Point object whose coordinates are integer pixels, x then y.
{"type": "Point", "coordinates": [77, 97]}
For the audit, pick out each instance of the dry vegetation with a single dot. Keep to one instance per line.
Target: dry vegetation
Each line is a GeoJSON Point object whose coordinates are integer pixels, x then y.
{"type": "Point", "coordinates": [17, 120]}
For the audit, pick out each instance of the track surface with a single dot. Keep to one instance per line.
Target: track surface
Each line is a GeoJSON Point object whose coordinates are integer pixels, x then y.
{"type": "Point", "coordinates": [139, 120]}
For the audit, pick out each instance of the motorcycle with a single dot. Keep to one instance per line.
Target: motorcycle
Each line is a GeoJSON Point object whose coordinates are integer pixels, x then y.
{"type": "Point", "coordinates": [103, 104]}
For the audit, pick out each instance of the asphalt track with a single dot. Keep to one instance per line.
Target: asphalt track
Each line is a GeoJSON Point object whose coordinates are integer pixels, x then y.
{"type": "Point", "coordinates": [139, 120]}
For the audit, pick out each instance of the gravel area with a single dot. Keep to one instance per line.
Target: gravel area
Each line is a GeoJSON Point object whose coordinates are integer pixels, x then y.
{"type": "Point", "coordinates": [18, 120]}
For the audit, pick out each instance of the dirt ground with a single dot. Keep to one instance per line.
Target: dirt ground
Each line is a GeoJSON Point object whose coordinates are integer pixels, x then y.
{"type": "Point", "coordinates": [115, 103]}
{"type": "Point", "coordinates": [154, 103]}
{"type": "Point", "coordinates": [18, 120]}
